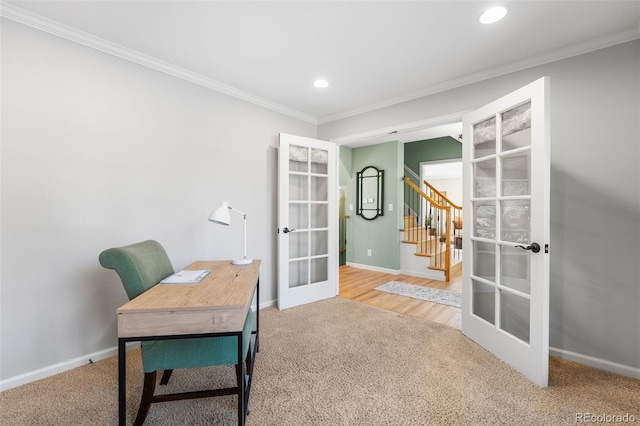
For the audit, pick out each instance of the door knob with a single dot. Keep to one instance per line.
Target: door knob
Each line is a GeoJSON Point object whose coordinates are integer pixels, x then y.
{"type": "Point", "coordinates": [287, 230]}
{"type": "Point", "coordinates": [534, 247]}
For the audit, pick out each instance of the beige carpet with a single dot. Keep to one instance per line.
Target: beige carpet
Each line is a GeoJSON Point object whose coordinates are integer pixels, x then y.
{"type": "Point", "coordinates": [339, 362]}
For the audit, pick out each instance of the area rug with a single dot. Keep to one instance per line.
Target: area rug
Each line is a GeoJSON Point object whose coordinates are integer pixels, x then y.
{"type": "Point", "coordinates": [443, 297]}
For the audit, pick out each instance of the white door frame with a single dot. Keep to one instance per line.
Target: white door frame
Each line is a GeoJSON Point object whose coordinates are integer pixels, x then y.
{"type": "Point", "coordinates": [391, 133]}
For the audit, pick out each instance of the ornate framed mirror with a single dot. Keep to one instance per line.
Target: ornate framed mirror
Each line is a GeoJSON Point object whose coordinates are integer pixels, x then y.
{"type": "Point", "coordinates": [370, 192]}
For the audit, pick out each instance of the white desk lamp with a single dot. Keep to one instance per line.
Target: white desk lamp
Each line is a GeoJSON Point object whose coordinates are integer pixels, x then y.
{"type": "Point", "coordinates": [222, 216]}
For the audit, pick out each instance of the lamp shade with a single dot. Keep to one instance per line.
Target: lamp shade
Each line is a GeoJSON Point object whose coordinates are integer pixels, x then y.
{"type": "Point", "coordinates": [221, 215]}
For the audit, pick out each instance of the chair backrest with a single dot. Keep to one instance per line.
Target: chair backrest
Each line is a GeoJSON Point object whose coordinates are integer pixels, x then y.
{"type": "Point", "coordinates": [140, 265]}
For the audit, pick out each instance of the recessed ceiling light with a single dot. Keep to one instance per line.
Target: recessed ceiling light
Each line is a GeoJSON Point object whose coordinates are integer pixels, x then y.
{"type": "Point", "coordinates": [321, 84]}
{"type": "Point", "coordinates": [493, 15]}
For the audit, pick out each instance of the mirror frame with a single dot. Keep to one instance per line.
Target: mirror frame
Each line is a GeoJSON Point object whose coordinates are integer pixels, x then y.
{"type": "Point", "coordinates": [378, 175]}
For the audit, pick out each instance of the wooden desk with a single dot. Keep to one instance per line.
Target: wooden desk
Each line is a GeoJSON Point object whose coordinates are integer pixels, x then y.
{"type": "Point", "coordinates": [216, 306]}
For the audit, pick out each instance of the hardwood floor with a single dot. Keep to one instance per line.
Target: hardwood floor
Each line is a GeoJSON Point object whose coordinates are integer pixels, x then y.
{"type": "Point", "coordinates": [359, 284]}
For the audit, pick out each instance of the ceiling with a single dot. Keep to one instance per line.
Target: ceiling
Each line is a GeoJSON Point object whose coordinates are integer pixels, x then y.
{"type": "Point", "coordinates": [373, 54]}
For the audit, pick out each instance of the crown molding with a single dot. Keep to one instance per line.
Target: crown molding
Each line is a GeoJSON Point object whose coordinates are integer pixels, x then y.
{"type": "Point", "coordinates": [64, 31]}
{"type": "Point", "coordinates": [531, 62]}
{"type": "Point", "coordinates": [27, 18]}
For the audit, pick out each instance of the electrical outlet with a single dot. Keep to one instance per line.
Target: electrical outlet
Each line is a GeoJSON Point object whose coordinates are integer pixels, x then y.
{"type": "Point", "coordinates": [368, 252]}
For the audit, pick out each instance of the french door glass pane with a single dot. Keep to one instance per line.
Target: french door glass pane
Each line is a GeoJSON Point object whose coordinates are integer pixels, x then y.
{"type": "Point", "coordinates": [484, 138]}
{"type": "Point", "coordinates": [516, 175]}
{"type": "Point", "coordinates": [516, 127]}
{"type": "Point", "coordinates": [319, 161]}
{"type": "Point", "coordinates": [484, 261]}
{"type": "Point", "coordinates": [484, 301]}
{"type": "Point", "coordinates": [298, 216]}
{"type": "Point", "coordinates": [319, 269]}
{"type": "Point", "coordinates": [484, 213]}
{"type": "Point", "coordinates": [298, 244]}
{"type": "Point", "coordinates": [298, 187]}
{"type": "Point", "coordinates": [514, 315]}
{"type": "Point", "coordinates": [319, 189]}
{"type": "Point", "coordinates": [516, 221]}
{"type": "Point", "coordinates": [319, 215]}
{"type": "Point", "coordinates": [514, 268]}
{"type": "Point", "coordinates": [298, 273]}
{"type": "Point", "coordinates": [484, 173]}
{"type": "Point", "coordinates": [319, 243]}
{"type": "Point", "coordinates": [298, 158]}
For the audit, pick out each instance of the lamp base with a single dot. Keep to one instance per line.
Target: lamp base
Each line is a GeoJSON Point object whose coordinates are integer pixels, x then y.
{"type": "Point", "coordinates": [243, 262]}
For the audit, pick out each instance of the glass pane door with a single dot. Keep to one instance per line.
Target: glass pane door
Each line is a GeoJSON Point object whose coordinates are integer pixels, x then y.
{"type": "Point", "coordinates": [308, 215]}
{"type": "Point", "coordinates": [506, 197]}
{"type": "Point", "coordinates": [308, 224]}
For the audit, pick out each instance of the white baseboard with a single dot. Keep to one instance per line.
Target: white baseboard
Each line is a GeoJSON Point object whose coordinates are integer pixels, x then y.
{"type": "Point", "coordinates": [374, 268]}
{"type": "Point", "coordinates": [266, 304]}
{"type": "Point", "coordinates": [600, 364]}
{"type": "Point", "coordinates": [429, 274]}
{"type": "Point", "coordinates": [61, 367]}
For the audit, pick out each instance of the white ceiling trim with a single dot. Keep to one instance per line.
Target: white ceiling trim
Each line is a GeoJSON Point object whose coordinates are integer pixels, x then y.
{"type": "Point", "coordinates": [545, 58]}
{"type": "Point", "coordinates": [53, 27]}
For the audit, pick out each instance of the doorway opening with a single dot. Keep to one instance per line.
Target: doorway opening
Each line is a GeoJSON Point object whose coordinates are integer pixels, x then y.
{"type": "Point", "coordinates": [429, 165]}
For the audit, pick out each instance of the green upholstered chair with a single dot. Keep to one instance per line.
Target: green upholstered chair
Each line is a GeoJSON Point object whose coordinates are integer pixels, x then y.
{"type": "Point", "coordinates": [140, 267]}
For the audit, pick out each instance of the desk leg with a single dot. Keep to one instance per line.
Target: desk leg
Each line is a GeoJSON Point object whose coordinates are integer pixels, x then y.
{"type": "Point", "coordinates": [258, 316]}
{"type": "Point", "coordinates": [241, 383]}
{"type": "Point", "coordinates": [122, 383]}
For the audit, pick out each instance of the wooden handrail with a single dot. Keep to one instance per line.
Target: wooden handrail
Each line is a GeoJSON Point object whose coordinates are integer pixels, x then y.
{"type": "Point", "coordinates": [425, 196]}
{"type": "Point", "coordinates": [443, 196]}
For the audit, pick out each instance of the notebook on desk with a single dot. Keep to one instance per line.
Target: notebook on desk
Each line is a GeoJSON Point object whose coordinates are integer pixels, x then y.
{"type": "Point", "coordinates": [186, 276]}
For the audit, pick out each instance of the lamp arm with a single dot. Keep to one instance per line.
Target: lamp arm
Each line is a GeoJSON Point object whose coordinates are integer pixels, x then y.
{"type": "Point", "coordinates": [238, 211]}
{"type": "Point", "coordinates": [244, 233]}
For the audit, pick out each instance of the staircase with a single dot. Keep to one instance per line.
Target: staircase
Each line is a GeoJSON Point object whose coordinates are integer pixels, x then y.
{"type": "Point", "coordinates": [431, 238]}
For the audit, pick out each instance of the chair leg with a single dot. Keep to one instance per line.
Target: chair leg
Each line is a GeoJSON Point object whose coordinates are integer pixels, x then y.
{"type": "Point", "coordinates": [147, 396]}
{"type": "Point", "coordinates": [166, 375]}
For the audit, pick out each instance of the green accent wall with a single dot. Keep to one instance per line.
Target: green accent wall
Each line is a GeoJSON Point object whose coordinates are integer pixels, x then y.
{"type": "Point", "coordinates": [380, 235]}
{"type": "Point", "coordinates": [443, 148]}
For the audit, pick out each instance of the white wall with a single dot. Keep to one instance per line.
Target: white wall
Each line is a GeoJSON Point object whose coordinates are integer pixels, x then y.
{"type": "Point", "coordinates": [99, 152]}
{"type": "Point", "coordinates": [595, 201]}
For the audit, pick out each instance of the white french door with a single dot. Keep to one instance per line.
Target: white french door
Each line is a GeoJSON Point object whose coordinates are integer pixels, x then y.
{"type": "Point", "coordinates": [307, 221]}
{"type": "Point", "coordinates": [506, 234]}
